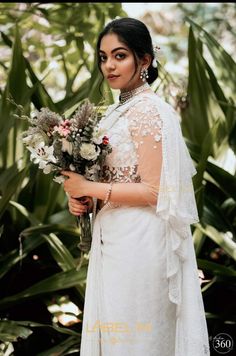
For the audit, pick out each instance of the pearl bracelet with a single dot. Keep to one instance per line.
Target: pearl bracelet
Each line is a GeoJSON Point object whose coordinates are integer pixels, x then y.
{"type": "Point", "coordinates": [108, 194]}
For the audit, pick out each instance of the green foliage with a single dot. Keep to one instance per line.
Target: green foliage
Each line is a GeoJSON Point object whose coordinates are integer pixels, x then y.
{"type": "Point", "coordinates": [40, 261]}
{"type": "Point", "coordinates": [208, 123]}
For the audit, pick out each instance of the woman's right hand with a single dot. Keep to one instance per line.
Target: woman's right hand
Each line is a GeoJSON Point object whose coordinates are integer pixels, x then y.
{"type": "Point", "coordinates": [78, 207]}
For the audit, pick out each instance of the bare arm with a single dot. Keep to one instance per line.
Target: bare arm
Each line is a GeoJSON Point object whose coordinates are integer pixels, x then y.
{"type": "Point", "coordinates": [145, 129]}
{"type": "Point", "coordinates": [123, 193]}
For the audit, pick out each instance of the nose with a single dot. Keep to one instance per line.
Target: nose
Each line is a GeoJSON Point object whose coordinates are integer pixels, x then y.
{"type": "Point", "coordinates": [109, 64]}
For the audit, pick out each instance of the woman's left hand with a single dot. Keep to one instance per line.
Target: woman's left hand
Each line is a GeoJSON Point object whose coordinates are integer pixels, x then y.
{"type": "Point", "coordinates": [75, 185]}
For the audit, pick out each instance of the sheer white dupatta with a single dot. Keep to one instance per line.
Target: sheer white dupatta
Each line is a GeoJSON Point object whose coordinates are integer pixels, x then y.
{"type": "Point", "coordinates": [177, 206]}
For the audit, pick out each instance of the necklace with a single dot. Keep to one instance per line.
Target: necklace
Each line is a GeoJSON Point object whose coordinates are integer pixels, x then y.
{"type": "Point", "coordinates": [127, 95]}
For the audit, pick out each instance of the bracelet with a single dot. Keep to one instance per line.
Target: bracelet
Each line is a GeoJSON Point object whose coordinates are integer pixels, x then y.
{"type": "Point", "coordinates": [108, 194]}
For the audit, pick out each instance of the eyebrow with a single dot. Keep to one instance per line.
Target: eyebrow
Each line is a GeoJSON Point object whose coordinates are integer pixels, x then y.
{"type": "Point", "coordinates": [115, 49]}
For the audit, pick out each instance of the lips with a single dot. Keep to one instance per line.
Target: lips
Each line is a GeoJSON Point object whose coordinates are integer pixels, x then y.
{"type": "Point", "coordinates": [112, 76]}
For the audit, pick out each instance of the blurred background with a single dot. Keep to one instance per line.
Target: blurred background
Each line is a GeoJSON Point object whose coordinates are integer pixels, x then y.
{"type": "Point", "coordinates": [47, 59]}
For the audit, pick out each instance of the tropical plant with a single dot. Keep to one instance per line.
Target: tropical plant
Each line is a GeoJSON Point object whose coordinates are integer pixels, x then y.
{"type": "Point", "coordinates": [41, 269]}
{"type": "Point", "coordinates": [209, 123]}
{"type": "Point", "coordinates": [208, 113]}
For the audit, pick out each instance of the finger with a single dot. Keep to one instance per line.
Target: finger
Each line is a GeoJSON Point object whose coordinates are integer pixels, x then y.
{"type": "Point", "coordinates": [79, 200]}
{"type": "Point", "coordinates": [66, 173]}
{"type": "Point", "coordinates": [74, 200]}
{"type": "Point", "coordinates": [76, 211]}
{"type": "Point", "coordinates": [80, 208]}
{"type": "Point", "coordinates": [76, 214]}
{"type": "Point", "coordinates": [86, 199]}
{"type": "Point", "coordinates": [83, 201]}
{"type": "Point", "coordinates": [76, 203]}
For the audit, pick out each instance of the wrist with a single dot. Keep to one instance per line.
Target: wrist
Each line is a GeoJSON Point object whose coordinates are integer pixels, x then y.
{"type": "Point", "coordinates": [108, 194]}
{"type": "Point", "coordinates": [96, 189]}
{"type": "Point", "coordinates": [87, 188]}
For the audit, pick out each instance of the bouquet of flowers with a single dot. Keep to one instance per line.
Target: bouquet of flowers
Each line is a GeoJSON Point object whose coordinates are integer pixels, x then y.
{"type": "Point", "coordinates": [77, 144]}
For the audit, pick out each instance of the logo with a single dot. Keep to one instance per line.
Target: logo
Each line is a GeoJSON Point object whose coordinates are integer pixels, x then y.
{"type": "Point", "coordinates": [222, 343]}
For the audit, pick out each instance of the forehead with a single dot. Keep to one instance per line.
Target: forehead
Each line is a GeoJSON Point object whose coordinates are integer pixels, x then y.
{"type": "Point", "coordinates": [111, 41]}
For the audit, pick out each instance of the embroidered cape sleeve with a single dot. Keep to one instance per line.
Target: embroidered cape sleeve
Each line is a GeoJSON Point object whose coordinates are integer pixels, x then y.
{"type": "Point", "coordinates": [145, 127]}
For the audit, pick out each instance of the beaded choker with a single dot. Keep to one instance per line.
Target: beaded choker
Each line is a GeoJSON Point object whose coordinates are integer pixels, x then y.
{"type": "Point", "coordinates": [129, 94]}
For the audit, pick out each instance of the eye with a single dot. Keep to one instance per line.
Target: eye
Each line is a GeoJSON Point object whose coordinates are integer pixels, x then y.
{"type": "Point", "coordinates": [120, 55]}
{"type": "Point", "coordinates": [102, 58]}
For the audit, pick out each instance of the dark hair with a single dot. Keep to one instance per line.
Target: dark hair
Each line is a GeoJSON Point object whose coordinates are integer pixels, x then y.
{"type": "Point", "coordinates": [136, 36]}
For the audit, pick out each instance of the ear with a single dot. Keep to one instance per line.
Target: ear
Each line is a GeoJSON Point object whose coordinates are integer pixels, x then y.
{"type": "Point", "coordinates": [146, 60]}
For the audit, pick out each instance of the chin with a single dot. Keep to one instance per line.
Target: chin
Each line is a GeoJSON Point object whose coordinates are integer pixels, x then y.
{"type": "Point", "coordinates": [115, 86]}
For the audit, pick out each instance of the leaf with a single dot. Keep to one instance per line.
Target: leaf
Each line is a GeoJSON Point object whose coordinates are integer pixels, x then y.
{"type": "Point", "coordinates": [58, 281]}
{"type": "Point", "coordinates": [13, 257]}
{"type": "Point", "coordinates": [216, 268]}
{"type": "Point", "coordinates": [46, 229]}
{"type": "Point", "coordinates": [228, 245]}
{"type": "Point", "coordinates": [16, 84]}
{"type": "Point", "coordinates": [223, 61]}
{"type": "Point", "coordinates": [33, 324]}
{"type": "Point", "coordinates": [225, 180]}
{"type": "Point", "coordinates": [198, 239]}
{"type": "Point", "coordinates": [66, 347]}
{"type": "Point", "coordinates": [33, 237]}
{"type": "Point", "coordinates": [40, 96]}
{"type": "Point", "coordinates": [13, 183]}
{"type": "Point", "coordinates": [10, 331]}
{"type": "Point", "coordinates": [195, 118]}
{"type": "Point", "coordinates": [60, 253]}
{"type": "Point", "coordinates": [1, 230]}
{"type": "Point", "coordinates": [24, 212]}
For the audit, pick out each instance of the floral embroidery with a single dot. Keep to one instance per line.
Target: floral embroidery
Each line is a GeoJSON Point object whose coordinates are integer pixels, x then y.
{"type": "Point", "coordinates": [131, 130]}
{"type": "Point", "coordinates": [120, 174]}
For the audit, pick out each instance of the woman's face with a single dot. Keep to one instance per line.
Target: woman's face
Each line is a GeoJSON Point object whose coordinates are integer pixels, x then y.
{"type": "Point", "coordinates": [117, 64]}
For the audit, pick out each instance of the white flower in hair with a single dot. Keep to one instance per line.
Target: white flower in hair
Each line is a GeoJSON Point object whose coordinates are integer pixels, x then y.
{"type": "Point", "coordinates": [156, 49]}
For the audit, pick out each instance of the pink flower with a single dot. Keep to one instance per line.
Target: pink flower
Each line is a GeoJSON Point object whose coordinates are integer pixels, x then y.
{"type": "Point", "coordinates": [66, 123]}
{"type": "Point", "coordinates": [63, 131]}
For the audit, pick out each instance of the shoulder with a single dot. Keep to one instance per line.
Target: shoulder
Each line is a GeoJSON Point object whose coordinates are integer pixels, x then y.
{"type": "Point", "coordinates": [152, 102]}
{"type": "Point", "coordinates": [167, 113]}
{"type": "Point", "coordinates": [150, 107]}
{"type": "Point", "coordinates": [109, 109]}
{"type": "Point", "coordinates": [143, 106]}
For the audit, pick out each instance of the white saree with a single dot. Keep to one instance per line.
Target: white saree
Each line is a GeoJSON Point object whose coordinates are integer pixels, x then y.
{"type": "Point", "coordinates": [143, 294]}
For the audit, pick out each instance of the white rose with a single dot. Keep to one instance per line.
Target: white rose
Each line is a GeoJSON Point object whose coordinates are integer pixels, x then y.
{"type": "Point", "coordinates": [88, 151]}
{"type": "Point", "coordinates": [66, 146]}
{"type": "Point", "coordinates": [98, 135]}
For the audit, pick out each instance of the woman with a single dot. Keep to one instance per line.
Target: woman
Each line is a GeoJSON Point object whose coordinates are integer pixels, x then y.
{"type": "Point", "coordinates": [143, 295]}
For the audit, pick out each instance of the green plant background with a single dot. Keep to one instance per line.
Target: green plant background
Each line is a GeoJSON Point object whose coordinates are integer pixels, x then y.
{"type": "Point", "coordinates": [49, 61]}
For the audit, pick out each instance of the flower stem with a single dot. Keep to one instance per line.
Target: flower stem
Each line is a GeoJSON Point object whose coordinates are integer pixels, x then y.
{"type": "Point", "coordinates": [84, 224]}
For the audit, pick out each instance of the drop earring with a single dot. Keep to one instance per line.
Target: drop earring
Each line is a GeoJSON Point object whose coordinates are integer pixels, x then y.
{"type": "Point", "coordinates": [144, 74]}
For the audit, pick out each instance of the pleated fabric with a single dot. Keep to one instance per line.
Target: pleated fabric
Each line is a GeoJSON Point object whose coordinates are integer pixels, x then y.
{"type": "Point", "coordinates": [143, 294]}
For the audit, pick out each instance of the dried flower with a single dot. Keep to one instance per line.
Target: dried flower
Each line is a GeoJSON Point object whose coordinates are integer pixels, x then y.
{"type": "Point", "coordinates": [75, 144]}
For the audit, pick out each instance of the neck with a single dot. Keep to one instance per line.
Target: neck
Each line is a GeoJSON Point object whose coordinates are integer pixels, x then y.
{"type": "Point", "coordinates": [128, 94]}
